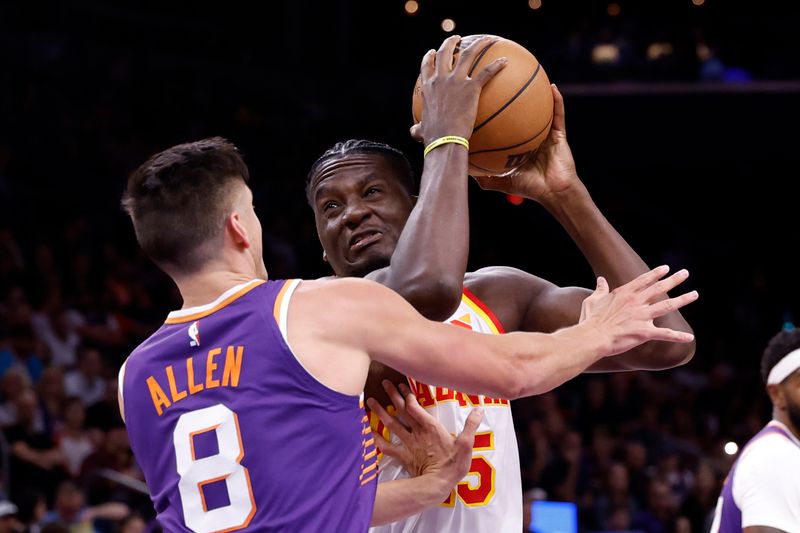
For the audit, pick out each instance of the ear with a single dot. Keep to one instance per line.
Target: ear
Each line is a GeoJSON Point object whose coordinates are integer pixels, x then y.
{"type": "Point", "coordinates": [324, 256]}
{"type": "Point", "coordinates": [777, 396]}
{"type": "Point", "coordinates": [237, 230]}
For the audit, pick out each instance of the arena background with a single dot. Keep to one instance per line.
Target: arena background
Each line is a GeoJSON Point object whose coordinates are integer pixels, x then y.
{"type": "Point", "coordinates": [684, 133]}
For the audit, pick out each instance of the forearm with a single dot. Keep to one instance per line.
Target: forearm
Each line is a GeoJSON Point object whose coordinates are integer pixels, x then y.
{"type": "Point", "coordinates": [401, 498]}
{"type": "Point", "coordinates": [610, 256]}
{"type": "Point", "coordinates": [606, 251]}
{"type": "Point", "coordinates": [505, 366]}
{"type": "Point", "coordinates": [430, 258]}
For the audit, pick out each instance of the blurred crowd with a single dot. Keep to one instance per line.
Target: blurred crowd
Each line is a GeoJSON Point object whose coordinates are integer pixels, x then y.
{"type": "Point", "coordinates": [67, 321]}
{"type": "Point", "coordinates": [635, 451]}
{"type": "Point", "coordinates": [639, 451]}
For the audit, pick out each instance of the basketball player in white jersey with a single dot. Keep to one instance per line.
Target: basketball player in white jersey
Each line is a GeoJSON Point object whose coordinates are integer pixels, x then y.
{"type": "Point", "coordinates": [370, 225]}
{"type": "Point", "coordinates": [762, 491]}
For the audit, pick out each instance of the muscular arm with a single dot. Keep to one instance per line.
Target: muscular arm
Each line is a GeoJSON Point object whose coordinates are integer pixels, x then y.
{"type": "Point", "coordinates": [612, 257]}
{"type": "Point", "coordinates": [551, 179]}
{"type": "Point", "coordinates": [428, 264]}
{"type": "Point", "coordinates": [337, 327]}
{"type": "Point", "coordinates": [525, 302]}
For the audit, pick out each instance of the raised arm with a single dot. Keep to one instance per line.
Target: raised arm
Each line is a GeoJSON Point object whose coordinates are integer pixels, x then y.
{"type": "Point", "coordinates": [551, 179]}
{"type": "Point", "coordinates": [337, 327]}
{"type": "Point", "coordinates": [427, 266]}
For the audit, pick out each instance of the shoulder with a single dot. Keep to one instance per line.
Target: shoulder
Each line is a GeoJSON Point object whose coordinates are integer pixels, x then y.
{"type": "Point", "coordinates": [772, 462]}
{"type": "Point", "coordinates": [508, 292]}
{"type": "Point", "coordinates": [325, 287]}
{"type": "Point", "coordinates": [765, 484]}
{"type": "Point", "coordinates": [770, 456]}
{"type": "Point", "coordinates": [502, 278]}
{"type": "Point", "coordinates": [343, 299]}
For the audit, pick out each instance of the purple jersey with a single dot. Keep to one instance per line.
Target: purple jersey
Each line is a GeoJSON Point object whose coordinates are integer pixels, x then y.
{"type": "Point", "coordinates": [232, 433]}
{"type": "Point", "coordinates": [728, 517]}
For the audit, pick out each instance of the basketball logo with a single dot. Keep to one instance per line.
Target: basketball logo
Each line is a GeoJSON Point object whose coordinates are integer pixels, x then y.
{"type": "Point", "coordinates": [194, 333]}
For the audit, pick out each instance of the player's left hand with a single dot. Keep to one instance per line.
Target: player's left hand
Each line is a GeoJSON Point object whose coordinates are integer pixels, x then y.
{"type": "Point", "coordinates": [549, 173]}
{"type": "Point", "coordinates": [426, 447]}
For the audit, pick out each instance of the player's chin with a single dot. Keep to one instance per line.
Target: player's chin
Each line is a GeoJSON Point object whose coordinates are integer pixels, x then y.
{"type": "Point", "coordinates": [368, 261]}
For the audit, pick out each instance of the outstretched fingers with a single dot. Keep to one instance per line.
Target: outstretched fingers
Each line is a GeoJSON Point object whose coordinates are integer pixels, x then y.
{"type": "Point", "coordinates": [391, 449]}
{"type": "Point", "coordinates": [661, 288]}
{"type": "Point", "coordinates": [645, 280]}
{"type": "Point", "coordinates": [467, 436]}
{"type": "Point", "coordinates": [417, 416]}
{"type": "Point", "coordinates": [668, 335]}
{"type": "Point", "coordinates": [664, 307]}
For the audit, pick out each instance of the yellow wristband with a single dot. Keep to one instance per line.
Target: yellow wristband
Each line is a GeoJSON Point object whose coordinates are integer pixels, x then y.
{"type": "Point", "coordinates": [445, 140]}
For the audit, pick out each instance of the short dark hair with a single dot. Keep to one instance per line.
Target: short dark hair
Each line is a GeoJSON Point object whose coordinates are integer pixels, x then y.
{"type": "Point", "coordinates": [179, 198]}
{"type": "Point", "coordinates": [787, 340]}
{"type": "Point", "coordinates": [362, 146]}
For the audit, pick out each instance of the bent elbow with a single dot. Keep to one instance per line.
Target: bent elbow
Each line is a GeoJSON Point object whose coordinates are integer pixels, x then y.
{"type": "Point", "coordinates": [680, 354]}
{"type": "Point", "coordinates": [663, 356]}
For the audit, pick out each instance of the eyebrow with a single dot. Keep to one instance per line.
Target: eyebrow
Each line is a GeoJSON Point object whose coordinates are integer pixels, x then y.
{"type": "Point", "coordinates": [322, 189]}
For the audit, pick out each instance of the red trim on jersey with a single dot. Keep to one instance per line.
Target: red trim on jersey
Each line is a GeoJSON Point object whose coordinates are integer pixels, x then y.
{"type": "Point", "coordinates": [468, 293]}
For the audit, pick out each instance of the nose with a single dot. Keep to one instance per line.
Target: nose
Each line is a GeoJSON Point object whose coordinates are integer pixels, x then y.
{"type": "Point", "coordinates": [355, 213]}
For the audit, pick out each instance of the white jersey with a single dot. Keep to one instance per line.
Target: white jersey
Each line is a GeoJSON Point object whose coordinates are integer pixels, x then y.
{"type": "Point", "coordinates": [489, 498]}
{"type": "Point", "coordinates": [762, 488]}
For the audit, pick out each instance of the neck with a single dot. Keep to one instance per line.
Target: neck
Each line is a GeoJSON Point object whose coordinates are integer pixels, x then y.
{"type": "Point", "coordinates": [204, 287]}
{"type": "Point", "coordinates": [783, 418]}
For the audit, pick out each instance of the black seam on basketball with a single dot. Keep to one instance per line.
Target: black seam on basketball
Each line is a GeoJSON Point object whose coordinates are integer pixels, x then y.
{"type": "Point", "coordinates": [481, 168]}
{"type": "Point", "coordinates": [515, 145]}
{"type": "Point", "coordinates": [522, 90]}
{"type": "Point", "coordinates": [478, 59]}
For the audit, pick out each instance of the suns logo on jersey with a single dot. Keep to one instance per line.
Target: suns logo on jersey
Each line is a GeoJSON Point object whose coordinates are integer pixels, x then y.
{"type": "Point", "coordinates": [194, 333]}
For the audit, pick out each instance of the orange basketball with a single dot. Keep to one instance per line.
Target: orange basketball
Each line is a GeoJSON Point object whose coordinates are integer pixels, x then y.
{"type": "Point", "coordinates": [515, 109]}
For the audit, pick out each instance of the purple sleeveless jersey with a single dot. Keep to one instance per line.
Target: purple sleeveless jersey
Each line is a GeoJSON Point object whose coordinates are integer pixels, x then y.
{"type": "Point", "coordinates": [232, 433]}
{"type": "Point", "coordinates": [730, 519]}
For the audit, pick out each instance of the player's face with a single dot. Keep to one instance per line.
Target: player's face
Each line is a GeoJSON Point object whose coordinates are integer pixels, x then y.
{"type": "Point", "coordinates": [360, 208]}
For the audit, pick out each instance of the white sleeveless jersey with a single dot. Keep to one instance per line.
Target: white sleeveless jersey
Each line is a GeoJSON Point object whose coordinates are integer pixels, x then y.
{"type": "Point", "coordinates": [490, 497]}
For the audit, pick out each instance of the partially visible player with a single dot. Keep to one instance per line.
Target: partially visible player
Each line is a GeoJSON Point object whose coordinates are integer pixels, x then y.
{"type": "Point", "coordinates": [762, 491]}
{"type": "Point", "coordinates": [244, 410]}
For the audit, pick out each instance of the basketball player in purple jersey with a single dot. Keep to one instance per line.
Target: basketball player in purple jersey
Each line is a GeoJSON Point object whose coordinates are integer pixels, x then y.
{"type": "Point", "coordinates": [244, 409]}
{"type": "Point", "coordinates": [762, 491]}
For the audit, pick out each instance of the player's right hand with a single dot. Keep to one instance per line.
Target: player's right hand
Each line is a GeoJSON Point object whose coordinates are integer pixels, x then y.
{"type": "Point", "coordinates": [426, 447]}
{"type": "Point", "coordinates": [450, 93]}
{"type": "Point", "coordinates": [625, 315]}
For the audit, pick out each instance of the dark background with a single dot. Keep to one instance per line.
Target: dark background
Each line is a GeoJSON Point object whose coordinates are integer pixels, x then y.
{"type": "Point", "coordinates": [693, 156]}
{"type": "Point", "coordinates": [699, 174]}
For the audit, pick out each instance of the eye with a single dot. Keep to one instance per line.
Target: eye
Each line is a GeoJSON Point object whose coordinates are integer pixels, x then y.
{"type": "Point", "coordinates": [372, 190]}
{"type": "Point", "coordinates": [330, 205]}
